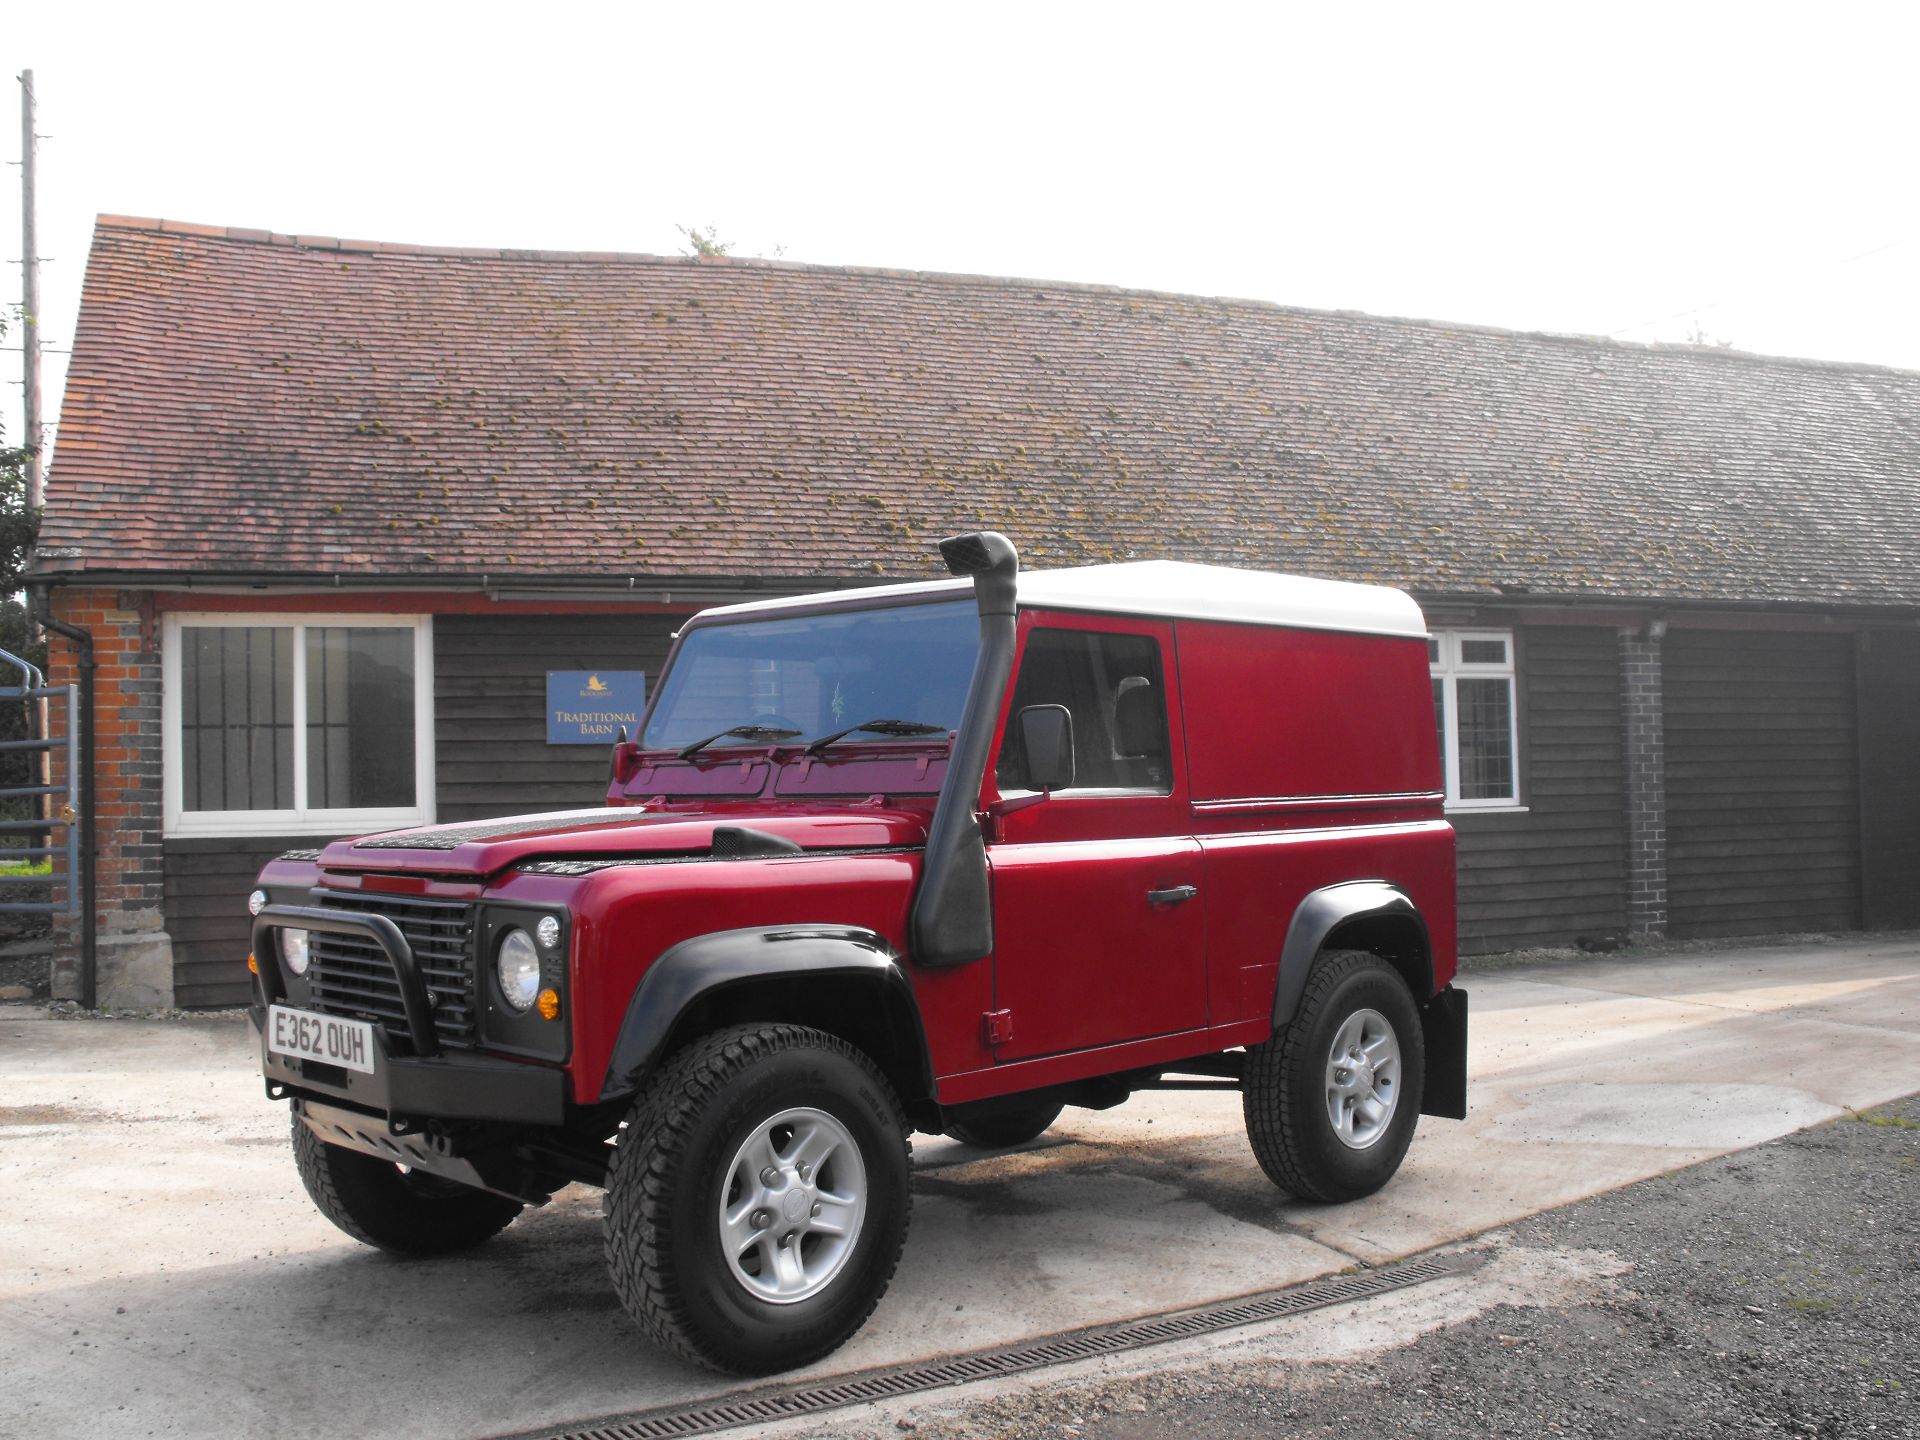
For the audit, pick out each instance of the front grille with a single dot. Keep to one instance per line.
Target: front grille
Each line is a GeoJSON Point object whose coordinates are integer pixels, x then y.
{"type": "Point", "coordinates": [350, 974]}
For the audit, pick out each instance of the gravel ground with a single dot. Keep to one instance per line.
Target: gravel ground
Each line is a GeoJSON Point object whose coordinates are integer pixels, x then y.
{"type": "Point", "coordinates": [24, 977]}
{"type": "Point", "coordinates": [1774, 1291]}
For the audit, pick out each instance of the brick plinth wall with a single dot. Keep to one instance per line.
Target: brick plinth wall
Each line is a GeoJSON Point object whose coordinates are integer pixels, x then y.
{"type": "Point", "coordinates": [1643, 695]}
{"type": "Point", "coordinates": [128, 796]}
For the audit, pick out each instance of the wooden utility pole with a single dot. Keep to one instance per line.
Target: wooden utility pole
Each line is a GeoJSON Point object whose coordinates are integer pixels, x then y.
{"type": "Point", "coordinates": [29, 299]}
{"type": "Point", "coordinates": [30, 388]}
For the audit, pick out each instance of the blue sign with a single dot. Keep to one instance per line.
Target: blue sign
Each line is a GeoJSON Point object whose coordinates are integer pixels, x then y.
{"type": "Point", "coordinates": [588, 707]}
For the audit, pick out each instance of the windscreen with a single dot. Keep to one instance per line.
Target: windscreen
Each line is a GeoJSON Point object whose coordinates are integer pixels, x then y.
{"type": "Point", "coordinates": [817, 674]}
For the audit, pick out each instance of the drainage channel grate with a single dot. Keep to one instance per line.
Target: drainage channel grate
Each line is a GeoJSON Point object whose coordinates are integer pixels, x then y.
{"type": "Point", "coordinates": [765, 1406]}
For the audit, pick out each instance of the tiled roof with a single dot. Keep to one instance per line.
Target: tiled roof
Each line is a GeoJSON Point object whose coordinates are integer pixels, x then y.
{"type": "Point", "coordinates": [244, 402]}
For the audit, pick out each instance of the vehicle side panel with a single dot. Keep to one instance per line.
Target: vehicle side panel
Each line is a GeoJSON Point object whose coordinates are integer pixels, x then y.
{"type": "Point", "coordinates": [1291, 714]}
{"type": "Point", "coordinates": [1082, 957]}
{"type": "Point", "coordinates": [1312, 761]}
{"type": "Point", "coordinates": [1260, 877]}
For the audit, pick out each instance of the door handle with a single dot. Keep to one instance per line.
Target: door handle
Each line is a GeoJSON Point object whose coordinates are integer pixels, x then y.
{"type": "Point", "coordinates": [1177, 895]}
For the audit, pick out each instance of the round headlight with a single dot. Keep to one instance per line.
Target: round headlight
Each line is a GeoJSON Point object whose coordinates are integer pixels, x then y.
{"type": "Point", "coordinates": [256, 902]}
{"type": "Point", "coordinates": [548, 932]}
{"type": "Point", "coordinates": [517, 964]}
{"type": "Point", "coordinates": [293, 949]}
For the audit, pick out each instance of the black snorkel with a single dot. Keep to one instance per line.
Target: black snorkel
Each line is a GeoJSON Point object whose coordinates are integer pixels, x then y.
{"type": "Point", "coordinates": [952, 920]}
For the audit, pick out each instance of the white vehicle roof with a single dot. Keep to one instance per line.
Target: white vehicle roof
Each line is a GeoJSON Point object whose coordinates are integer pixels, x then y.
{"type": "Point", "coordinates": [1169, 589]}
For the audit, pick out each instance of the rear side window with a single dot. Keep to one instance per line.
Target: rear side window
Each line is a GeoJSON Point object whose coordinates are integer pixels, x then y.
{"type": "Point", "coordinates": [1112, 686]}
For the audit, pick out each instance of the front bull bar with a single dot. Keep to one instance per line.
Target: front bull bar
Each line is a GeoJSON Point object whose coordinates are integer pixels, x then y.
{"type": "Point", "coordinates": [378, 928]}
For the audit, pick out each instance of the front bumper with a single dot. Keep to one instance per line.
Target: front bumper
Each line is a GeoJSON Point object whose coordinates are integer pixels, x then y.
{"type": "Point", "coordinates": [447, 1086]}
{"type": "Point", "coordinates": [430, 1084]}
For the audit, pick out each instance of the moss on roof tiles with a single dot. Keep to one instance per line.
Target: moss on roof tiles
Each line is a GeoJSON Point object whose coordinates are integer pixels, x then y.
{"type": "Point", "coordinates": [598, 406]}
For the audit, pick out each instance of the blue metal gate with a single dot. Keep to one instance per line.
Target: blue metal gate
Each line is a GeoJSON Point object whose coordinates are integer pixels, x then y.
{"type": "Point", "coordinates": [48, 822]}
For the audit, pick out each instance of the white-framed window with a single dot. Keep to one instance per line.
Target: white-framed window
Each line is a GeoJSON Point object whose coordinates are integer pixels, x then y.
{"type": "Point", "coordinates": [297, 724]}
{"type": "Point", "coordinates": [1474, 712]}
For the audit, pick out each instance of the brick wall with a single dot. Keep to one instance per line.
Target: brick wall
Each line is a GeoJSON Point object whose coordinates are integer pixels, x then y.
{"type": "Point", "coordinates": [127, 799]}
{"type": "Point", "coordinates": [1643, 696]}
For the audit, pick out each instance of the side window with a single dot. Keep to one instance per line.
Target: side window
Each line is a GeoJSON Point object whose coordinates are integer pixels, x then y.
{"type": "Point", "coordinates": [289, 724]}
{"type": "Point", "coordinates": [1473, 711]}
{"type": "Point", "coordinates": [1111, 685]}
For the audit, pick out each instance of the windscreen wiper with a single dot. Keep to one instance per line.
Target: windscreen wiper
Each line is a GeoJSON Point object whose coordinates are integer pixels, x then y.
{"type": "Point", "coordinates": [877, 727]}
{"type": "Point", "coordinates": [739, 732]}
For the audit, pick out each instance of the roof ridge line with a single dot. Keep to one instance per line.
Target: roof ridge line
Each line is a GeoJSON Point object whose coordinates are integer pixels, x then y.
{"type": "Point", "coordinates": [1571, 339]}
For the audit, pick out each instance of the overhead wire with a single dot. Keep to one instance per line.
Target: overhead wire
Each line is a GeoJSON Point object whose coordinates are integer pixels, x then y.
{"type": "Point", "coordinates": [1749, 292]}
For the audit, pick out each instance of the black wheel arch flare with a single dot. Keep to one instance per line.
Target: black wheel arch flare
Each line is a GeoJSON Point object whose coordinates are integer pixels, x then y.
{"type": "Point", "coordinates": [728, 966]}
{"type": "Point", "coordinates": [1379, 916]}
{"type": "Point", "coordinates": [1373, 913]}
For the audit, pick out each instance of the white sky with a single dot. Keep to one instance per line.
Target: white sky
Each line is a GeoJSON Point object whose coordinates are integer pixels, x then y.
{"type": "Point", "coordinates": [1618, 170]}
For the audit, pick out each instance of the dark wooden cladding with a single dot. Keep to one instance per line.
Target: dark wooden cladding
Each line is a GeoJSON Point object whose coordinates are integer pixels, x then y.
{"type": "Point", "coordinates": [1763, 792]}
{"type": "Point", "coordinates": [1889, 665]}
{"type": "Point", "coordinates": [1554, 875]}
{"type": "Point", "coordinates": [207, 882]}
{"type": "Point", "coordinates": [1786, 757]}
{"type": "Point", "coordinates": [491, 755]}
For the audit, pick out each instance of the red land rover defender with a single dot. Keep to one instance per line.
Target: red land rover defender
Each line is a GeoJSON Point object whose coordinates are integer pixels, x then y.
{"type": "Point", "coordinates": [945, 856]}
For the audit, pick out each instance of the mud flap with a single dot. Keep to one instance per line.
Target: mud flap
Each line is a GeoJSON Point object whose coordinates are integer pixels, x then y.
{"type": "Point", "coordinates": [1444, 1024]}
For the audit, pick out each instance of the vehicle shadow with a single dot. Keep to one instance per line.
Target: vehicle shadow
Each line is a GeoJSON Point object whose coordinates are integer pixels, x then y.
{"type": "Point", "coordinates": [527, 1330]}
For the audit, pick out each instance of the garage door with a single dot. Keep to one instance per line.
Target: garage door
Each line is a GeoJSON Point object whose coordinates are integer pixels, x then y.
{"type": "Point", "coordinates": [1890, 778]}
{"type": "Point", "coordinates": [1763, 795]}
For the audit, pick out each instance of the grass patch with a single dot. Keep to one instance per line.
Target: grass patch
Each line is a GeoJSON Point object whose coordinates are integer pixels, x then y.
{"type": "Point", "coordinates": [1884, 1120]}
{"type": "Point", "coordinates": [27, 867]}
{"type": "Point", "coordinates": [1806, 1305]}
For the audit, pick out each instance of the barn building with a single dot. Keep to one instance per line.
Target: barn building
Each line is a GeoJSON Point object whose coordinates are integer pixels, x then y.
{"type": "Point", "coordinates": [316, 499]}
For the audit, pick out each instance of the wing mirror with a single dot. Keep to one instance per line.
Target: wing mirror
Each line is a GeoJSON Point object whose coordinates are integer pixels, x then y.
{"type": "Point", "coordinates": [1046, 739]}
{"type": "Point", "coordinates": [626, 759]}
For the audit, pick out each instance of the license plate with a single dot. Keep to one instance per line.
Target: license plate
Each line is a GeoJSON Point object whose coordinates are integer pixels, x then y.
{"type": "Point", "coordinates": [326, 1038]}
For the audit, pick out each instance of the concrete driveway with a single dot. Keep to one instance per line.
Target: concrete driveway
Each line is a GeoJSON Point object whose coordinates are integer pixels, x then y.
{"type": "Point", "coordinates": [162, 1272]}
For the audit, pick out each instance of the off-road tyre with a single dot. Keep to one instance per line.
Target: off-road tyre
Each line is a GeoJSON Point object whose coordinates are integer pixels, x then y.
{"type": "Point", "coordinates": [1285, 1094]}
{"type": "Point", "coordinates": [671, 1170]}
{"type": "Point", "coordinates": [1003, 1129]}
{"type": "Point", "coordinates": [400, 1211]}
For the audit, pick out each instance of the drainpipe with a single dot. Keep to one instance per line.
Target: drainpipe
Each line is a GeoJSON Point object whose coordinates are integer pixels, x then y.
{"type": "Point", "coordinates": [89, 870]}
{"type": "Point", "coordinates": [952, 921]}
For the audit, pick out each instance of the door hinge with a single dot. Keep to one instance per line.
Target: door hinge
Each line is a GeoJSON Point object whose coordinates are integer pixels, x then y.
{"type": "Point", "coordinates": [998, 1025]}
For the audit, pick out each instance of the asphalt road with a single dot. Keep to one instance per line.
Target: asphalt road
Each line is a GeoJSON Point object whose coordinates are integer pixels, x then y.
{"type": "Point", "coordinates": [1773, 1291]}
